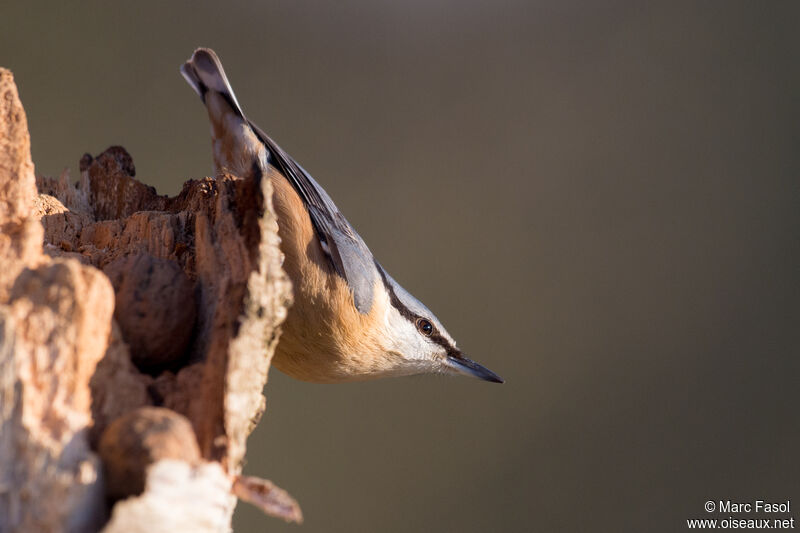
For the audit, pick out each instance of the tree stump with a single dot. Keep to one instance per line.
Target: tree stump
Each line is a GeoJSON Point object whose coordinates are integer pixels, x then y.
{"type": "Point", "coordinates": [136, 332]}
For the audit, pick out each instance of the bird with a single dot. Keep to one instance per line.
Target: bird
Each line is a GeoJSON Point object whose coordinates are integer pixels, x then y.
{"type": "Point", "coordinates": [350, 320]}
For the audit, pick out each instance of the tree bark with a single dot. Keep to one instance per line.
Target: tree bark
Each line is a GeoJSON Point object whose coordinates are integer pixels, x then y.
{"type": "Point", "coordinates": [136, 332]}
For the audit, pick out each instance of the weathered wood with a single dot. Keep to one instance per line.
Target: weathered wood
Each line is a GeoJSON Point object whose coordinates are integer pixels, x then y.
{"type": "Point", "coordinates": [68, 370]}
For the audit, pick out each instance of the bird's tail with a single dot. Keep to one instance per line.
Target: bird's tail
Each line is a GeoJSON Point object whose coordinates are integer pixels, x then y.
{"type": "Point", "coordinates": [204, 72]}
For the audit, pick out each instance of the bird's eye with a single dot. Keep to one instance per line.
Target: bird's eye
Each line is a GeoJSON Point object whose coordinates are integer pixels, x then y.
{"type": "Point", "coordinates": [425, 327]}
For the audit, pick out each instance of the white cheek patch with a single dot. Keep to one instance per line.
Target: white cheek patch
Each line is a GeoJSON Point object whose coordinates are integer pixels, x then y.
{"type": "Point", "coordinates": [417, 350]}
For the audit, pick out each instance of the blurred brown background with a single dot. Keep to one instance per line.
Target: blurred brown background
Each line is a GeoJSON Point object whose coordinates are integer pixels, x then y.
{"type": "Point", "coordinates": [601, 203]}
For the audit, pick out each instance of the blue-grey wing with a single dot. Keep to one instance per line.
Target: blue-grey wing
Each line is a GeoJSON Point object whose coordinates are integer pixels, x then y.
{"type": "Point", "coordinates": [346, 249]}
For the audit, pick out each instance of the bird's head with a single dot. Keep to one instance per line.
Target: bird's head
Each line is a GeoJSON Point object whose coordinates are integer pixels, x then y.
{"type": "Point", "coordinates": [419, 340]}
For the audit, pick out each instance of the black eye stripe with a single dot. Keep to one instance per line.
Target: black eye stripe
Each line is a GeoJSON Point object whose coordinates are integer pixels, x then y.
{"type": "Point", "coordinates": [412, 317]}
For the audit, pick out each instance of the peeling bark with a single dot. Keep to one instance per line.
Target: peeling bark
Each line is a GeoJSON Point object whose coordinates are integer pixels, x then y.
{"type": "Point", "coordinates": [187, 323]}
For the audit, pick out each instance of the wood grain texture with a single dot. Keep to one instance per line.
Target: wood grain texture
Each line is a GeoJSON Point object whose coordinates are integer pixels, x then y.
{"type": "Point", "coordinates": [67, 370]}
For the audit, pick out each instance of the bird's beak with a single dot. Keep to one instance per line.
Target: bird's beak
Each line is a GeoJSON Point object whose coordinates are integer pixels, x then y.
{"type": "Point", "coordinates": [462, 365]}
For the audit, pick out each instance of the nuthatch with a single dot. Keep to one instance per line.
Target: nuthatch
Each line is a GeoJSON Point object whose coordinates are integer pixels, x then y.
{"type": "Point", "coordinates": [350, 320]}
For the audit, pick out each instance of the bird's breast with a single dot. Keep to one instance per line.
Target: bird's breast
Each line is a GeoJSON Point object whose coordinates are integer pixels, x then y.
{"type": "Point", "coordinates": [325, 338]}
